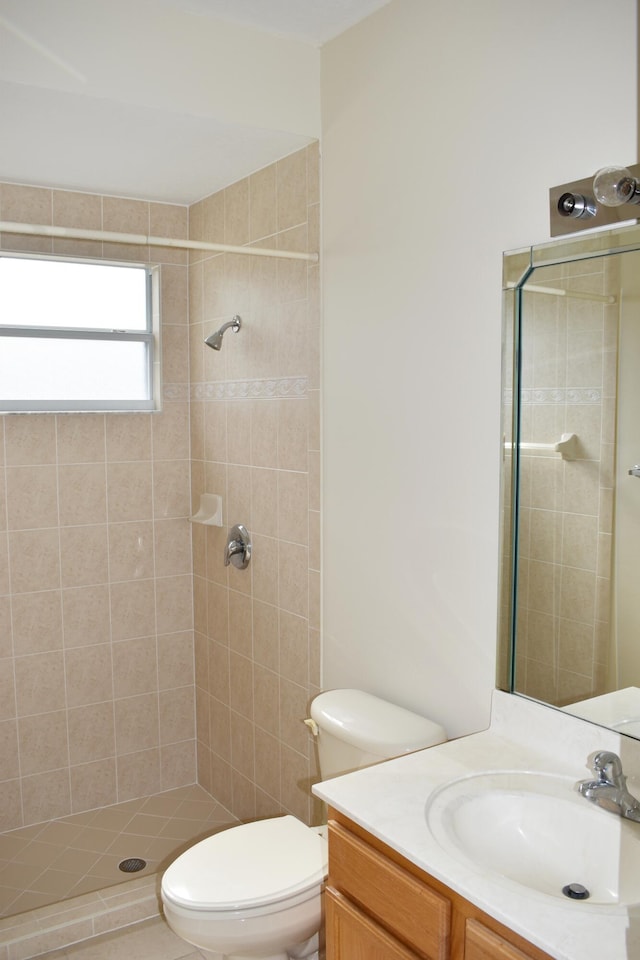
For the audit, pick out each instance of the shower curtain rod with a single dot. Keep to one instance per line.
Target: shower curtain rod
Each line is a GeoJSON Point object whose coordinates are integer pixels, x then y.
{"type": "Point", "coordinates": [73, 233]}
{"type": "Point", "coordinates": [559, 292]}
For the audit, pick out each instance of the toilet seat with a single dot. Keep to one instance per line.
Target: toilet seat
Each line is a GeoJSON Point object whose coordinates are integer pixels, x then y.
{"type": "Point", "coordinates": [247, 866]}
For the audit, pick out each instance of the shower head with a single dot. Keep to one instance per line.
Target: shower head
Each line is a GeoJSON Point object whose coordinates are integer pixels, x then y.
{"type": "Point", "coordinates": [214, 340]}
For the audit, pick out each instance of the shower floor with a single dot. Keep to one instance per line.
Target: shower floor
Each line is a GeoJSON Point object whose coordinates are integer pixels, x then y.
{"type": "Point", "coordinates": [48, 862]}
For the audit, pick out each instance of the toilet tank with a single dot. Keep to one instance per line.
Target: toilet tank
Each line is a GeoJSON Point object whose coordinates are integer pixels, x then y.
{"type": "Point", "coordinates": [356, 729]}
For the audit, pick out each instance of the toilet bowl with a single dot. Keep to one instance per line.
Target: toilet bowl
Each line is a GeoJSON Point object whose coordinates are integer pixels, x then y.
{"type": "Point", "coordinates": [252, 892]}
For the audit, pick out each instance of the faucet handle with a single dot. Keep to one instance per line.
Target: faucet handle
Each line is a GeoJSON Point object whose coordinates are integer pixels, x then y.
{"type": "Point", "coordinates": [608, 767]}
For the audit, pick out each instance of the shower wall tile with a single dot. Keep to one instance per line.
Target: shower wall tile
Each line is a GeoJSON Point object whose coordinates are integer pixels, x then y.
{"type": "Point", "coordinates": [40, 683]}
{"type": "Point", "coordinates": [129, 491]}
{"type": "Point", "coordinates": [42, 741]}
{"type": "Point", "coordinates": [171, 489]}
{"type": "Point", "coordinates": [9, 751]}
{"type": "Point", "coordinates": [96, 509]}
{"type": "Point", "coordinates": [32, 497]}
{"type": "Point", "coordinates": [135, 666]}
{"type": "Point", "coordinates": [175, 660]}
{"type": "Point", "coordinates": [84, 555]}
{"type": "Point", "coordinates": [566, 520]}
{"type": "Point", "coordinates": [81, 438]}
{"type": "Point", "coordinates": [37, 622]}
{"type": "Point", "coordinates": [131, 550]}
{"type": "Point", "coordinates": [236, 213]}
{"type": "Point", "coordinates": [133, 611]}
{"type": "Point", "coordinates": [30, 440]}
{"type": "Point", "coordinates": [34, 560]}
{"type": "Point", "coordinates": [172, 547]}
{"type": "Point", "coordinates": [177, 715]}
{"type": "Point", "coordinates": [128, 437]}
{"type": "Point", "coordinates": [93, 784]}
{"type": "Point", "coordinates": [137, 724]}
{"type": "Point", "coordinates": [170, 432]}
{"type": "Point", "coordinates": [138, 773]}
{"type": "Point", "coordinates": [46, 796]}
{"type": "Point", "coordinates": [91, 733]}
{"type": "Point", "coordinates": [82, 496]}
{"type": "Point", "coordinates": [7, 691]}
{"type": "Point", "coordinates": [263, 203]}
{"type": "Point", "coordinates": [89, 675]}
{"type": "Point", "coordinates": [26, 204]}
{"type": "Point", "coordinates": [255, 441]}
{"type": "Point", "coordinates": [86, 615]}
{"type": "Point", "coordinates": [291, 180]}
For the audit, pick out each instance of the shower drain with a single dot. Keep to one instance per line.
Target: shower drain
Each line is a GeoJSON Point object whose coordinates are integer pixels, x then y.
{"type": "Point", "coordinates": [132, 865]}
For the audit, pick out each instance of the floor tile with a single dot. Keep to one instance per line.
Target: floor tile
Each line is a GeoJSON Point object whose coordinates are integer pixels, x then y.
{"type": "Point", "coordinates": [50, 862]}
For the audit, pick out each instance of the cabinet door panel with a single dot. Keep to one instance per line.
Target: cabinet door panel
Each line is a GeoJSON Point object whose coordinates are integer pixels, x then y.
{"type": "Point", "coordinates": [351, 935]}
{"type": "Point", "coordinates": [483, 944]}
{"type": "Point", "coordinates": [403, 904]}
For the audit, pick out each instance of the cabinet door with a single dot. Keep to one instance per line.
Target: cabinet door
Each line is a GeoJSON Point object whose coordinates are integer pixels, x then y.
{"type": "Point", "coordinates": [352, 935]}
{"type": "Point", "coordinates": [480, 943]}
{"type": "Point", "coordinates": [401, 902]}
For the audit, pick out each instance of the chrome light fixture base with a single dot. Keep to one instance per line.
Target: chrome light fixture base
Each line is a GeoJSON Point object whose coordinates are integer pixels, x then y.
{"type": "Point", "coordinates": [573, 207]}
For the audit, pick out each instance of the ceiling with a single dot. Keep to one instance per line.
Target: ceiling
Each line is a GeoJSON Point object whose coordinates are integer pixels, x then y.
{"type": "Point", "coordinates": [311, 21]}
{"type": "Point", "coordinates": [93, 98]}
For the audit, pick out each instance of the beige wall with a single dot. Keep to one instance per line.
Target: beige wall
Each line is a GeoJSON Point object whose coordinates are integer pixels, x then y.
{"type": "Point", "coordinates": [444, 125]}
{"type": "Point", "coordinates": [95, 564]}
{"type": "Point", "coordinates": [255, 441]}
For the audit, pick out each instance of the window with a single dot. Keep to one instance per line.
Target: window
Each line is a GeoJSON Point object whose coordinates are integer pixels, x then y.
{"type": "Point", "coordinates": [76, 335]}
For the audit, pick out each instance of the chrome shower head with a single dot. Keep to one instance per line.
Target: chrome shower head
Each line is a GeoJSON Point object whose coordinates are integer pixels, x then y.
{"type": "Point", "coordinates": [214, 340]}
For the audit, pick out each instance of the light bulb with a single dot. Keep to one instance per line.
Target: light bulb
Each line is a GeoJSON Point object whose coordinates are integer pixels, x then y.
{"type": "Point", "coordinates": [615, 186]}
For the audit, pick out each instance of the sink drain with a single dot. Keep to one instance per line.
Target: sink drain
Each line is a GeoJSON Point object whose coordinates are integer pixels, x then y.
{"type": "Point", "coordinates": [575, 891]}
{"type": "Point", "coordinates": [132, 865]}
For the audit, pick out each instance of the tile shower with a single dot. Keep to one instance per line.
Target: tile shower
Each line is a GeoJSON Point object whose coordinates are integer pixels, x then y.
{"type": "Point", "coordinates": [134, 662]}
{"type": "Point", "coordinates": [566, 506]}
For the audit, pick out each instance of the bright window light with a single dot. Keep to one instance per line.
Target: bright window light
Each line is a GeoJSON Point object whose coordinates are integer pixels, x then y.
{"type": "Point", "coordinates": [75, 335]}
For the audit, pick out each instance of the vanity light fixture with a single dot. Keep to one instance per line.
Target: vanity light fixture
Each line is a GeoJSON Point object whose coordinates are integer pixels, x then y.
{"type": "Point", "coordinates": [615, 186]}
{"type": "Point", "coordinates": [603, 200]}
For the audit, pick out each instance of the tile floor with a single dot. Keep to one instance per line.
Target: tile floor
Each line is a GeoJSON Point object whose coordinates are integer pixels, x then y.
{"type": "Point", "coordinates": [50, 862]}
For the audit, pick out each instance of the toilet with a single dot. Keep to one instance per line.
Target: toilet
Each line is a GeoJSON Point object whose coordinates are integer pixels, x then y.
{"type": "Point", "coordinates": [254, 890]}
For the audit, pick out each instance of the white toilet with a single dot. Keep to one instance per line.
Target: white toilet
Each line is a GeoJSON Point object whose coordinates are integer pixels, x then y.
{"type": "Point", "coordinates": [253, 891]}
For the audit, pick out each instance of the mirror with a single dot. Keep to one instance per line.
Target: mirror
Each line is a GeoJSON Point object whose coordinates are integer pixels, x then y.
{"type": "Point", "coordinates": [569, 632]}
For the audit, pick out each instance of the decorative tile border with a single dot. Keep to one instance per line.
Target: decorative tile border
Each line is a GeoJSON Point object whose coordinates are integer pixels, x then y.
{"type": "Point", "coordinates": [175, 391]}
{"type": "Point", "coordinates": [284, 387]}
{"type": "Point", "coordinates": [553, 395]}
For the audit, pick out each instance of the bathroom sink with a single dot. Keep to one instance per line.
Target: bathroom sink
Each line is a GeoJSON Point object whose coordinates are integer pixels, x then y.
{"type": "Point", "coordinates": [536, 831]}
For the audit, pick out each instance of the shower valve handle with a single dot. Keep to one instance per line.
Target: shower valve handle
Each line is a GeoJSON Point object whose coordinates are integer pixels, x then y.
{"type": "Point", "coordinates": [238, 547]}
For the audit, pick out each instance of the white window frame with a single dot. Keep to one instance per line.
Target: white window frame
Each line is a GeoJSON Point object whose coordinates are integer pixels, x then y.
{"type": "Point", "coordinates": [150, 336]}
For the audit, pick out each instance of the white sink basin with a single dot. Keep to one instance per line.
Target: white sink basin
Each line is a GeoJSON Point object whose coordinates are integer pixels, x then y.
{"type": "Point", "coordinates": [535, 830]}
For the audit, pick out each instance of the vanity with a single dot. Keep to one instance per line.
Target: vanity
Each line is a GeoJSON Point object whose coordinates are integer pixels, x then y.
{"type": "Point", "coordinates": [380, 906]}
{"type": "Point", "coordinates": [424, 859]}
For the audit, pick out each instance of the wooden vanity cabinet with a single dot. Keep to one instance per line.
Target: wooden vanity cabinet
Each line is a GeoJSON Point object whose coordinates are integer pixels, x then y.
{"type": "Point", "coordinates": [379, 906]}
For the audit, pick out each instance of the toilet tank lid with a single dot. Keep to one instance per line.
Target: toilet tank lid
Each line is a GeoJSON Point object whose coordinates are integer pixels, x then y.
{"type": "Point", "coordinates": [369, 723]}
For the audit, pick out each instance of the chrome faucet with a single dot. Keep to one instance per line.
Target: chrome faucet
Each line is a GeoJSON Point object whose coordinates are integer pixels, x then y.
{"type": "Point", "coordinates": [609, 789]}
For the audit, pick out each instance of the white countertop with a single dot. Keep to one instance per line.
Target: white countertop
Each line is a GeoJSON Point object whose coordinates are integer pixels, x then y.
{"type": "Point", "coordinates": [389, 800]}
